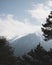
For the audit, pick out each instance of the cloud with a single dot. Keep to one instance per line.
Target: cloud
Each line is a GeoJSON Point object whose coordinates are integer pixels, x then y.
{"type": "Point", "coordinates": [49, 3]}
{"type": "Point", "coordinates": [41, 10]}
{"type": "Point", "coordinates": [9, 27]}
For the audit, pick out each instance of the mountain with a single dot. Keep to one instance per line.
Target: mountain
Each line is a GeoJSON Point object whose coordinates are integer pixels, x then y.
{"type": "Point", "coordinates": [24, 44]}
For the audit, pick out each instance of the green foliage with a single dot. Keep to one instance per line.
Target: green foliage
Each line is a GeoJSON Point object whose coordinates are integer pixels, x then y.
{"type": "Point", "coordinates": [6, 53]}
{"type": "Point", "coordinates": [47, 28]}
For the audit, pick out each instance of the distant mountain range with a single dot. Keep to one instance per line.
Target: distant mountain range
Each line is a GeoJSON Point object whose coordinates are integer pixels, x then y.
{"type": "Point", "coordinates": [26, 43]}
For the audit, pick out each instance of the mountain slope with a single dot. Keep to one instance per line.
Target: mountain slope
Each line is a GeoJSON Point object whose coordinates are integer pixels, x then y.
{"type": "Point", "coordinates": [25, 44]}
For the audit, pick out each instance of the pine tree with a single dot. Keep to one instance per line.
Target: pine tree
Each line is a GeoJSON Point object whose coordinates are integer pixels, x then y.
{"type": "Point", "coordinates": [47, 28]}
{"type": "Point", "coordinates": [6, 53]}
{"type": "Point", "coordinates": [38, 56]}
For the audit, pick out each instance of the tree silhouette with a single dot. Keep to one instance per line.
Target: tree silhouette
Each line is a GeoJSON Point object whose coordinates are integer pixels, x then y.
{"type": "Point", "coordinates": [38, 56]}
{"type": "Point", "coordinates": [47, 28]}
{"type": "Point", "coordinates": [6, 53]}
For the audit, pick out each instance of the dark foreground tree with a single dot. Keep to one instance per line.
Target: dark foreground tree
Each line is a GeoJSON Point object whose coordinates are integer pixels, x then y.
{"type": "Point", "coordinates": [38, 56]}
{"type": "Point", "coordinates": [6, 53]}
{"type": "Point", "coordinates": [47, 28]}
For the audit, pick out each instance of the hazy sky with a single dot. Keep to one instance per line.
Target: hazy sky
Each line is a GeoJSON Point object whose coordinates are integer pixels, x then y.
{"type": "Point", "coordinates": [20, 17]}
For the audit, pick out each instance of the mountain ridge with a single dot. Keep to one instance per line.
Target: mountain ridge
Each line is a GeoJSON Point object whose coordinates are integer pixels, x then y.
{"type": "Point", "coordinates": [26, 43]}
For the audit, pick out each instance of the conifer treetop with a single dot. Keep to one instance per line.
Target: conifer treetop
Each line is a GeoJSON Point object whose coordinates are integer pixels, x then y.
{"type": "Point", "coordinates": [47, 28]}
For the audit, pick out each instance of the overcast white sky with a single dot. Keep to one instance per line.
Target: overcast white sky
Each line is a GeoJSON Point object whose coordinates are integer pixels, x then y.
{"type": "Point", "coordinates": [21, 17]}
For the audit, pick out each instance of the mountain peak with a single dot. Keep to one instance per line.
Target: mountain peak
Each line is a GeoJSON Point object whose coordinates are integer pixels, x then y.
{"type": "Point", "coordinates": [26, 43]}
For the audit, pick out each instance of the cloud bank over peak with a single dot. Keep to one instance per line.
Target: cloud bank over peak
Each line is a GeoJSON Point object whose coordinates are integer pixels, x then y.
{"type": "Point", "coordinates": [9, 27]}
